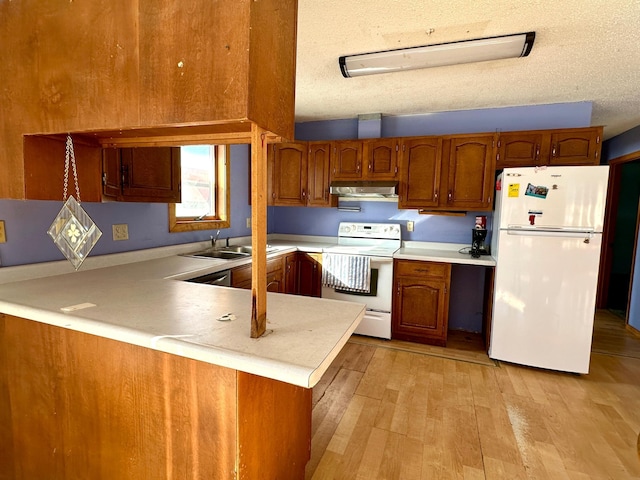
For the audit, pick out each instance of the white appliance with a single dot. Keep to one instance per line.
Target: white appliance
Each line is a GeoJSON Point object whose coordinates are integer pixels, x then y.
{"type": "Point", "coordinates": [547, 248]}
{"type": "Point", "coordinates": [379, 241]}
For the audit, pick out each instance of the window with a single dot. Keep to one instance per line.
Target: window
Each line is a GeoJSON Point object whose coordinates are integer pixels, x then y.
{"type": "Point", "coordinates": [205, 189]}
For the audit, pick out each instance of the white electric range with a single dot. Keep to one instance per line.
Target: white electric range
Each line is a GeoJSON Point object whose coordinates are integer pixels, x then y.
{"type": "Point", "coordinates": [378, 241]}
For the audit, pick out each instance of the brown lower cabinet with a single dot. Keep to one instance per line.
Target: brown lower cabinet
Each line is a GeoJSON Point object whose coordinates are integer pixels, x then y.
{"type": "Point", "coordinates": [420, 311]}
{"type": "Point", "coordinates": [241, 276]}
{"type": "Point", "coordinates": [297, 273]}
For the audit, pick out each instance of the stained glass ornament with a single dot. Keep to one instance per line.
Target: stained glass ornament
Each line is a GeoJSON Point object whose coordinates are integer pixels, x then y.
{"type": "Point", "coordinates": [73, 231]}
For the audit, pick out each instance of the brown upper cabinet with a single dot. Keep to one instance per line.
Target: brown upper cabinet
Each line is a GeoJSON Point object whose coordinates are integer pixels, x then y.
{"type": "Point", "coordinates": [380, 159]}
{"type": "Point", "coordinates": [149, 174]}
{"type": "Point", "coordinates": [289, 174]}
{"type": "Point", "coordinates": [375, 159]}
{"type": "Point", "coordinates": [319, 174]}
{"type": "Point", "coordinates": [299, 174]}
{"type": "Point", "coordinates": [470, 177]}
{"type": "Point", "coordinates": [140, 74]}
{"type": "Point", "coordinates": [346, 160]}
{"type": "Point", "coordinates": [447, 173]}
{"type": "Point", "coordinates": [420, 172]}
{"type": "Point", "coordinates": [576, 146]}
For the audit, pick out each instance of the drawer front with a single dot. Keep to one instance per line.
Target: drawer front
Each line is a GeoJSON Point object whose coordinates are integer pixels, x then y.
{"type": "Point", "coordinates": [242, 274]}
{"type": "Point", "coordinates": [421, 269]}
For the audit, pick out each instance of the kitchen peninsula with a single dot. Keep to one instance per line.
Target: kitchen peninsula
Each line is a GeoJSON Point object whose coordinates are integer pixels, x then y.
{"type": "Point", "coordinates": [122, 372]}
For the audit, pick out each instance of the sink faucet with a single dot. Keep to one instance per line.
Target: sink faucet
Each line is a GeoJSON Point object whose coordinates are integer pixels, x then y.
{"type": "Point", "coordinates": [214, 240]}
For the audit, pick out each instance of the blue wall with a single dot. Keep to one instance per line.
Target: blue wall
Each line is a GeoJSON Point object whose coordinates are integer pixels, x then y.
{"type": "Point", "coordinates": [618, 146]}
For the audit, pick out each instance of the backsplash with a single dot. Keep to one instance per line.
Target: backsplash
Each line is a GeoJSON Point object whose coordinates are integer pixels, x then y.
{"type": "Point", "coordinates": [427, 228]}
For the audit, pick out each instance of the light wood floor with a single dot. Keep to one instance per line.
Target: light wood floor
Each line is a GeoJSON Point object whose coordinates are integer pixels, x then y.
{"type": "Point", "coordinates": [391, 413]}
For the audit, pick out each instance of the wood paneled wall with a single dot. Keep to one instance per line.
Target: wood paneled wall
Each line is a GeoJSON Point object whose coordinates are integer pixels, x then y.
{"type": "Point", "coordinates": [116, 64]}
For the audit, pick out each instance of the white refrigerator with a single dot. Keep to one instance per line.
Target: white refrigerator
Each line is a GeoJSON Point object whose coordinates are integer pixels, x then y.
{"type": "Point", "coordinates": [547, 234]}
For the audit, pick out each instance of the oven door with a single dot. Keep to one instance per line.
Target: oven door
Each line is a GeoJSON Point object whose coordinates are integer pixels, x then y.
{"type": "Point", "coordinates": [377, 318]}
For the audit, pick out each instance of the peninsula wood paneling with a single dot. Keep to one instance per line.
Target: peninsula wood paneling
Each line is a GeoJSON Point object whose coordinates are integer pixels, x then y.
{"type": "Point", "coordinates": [74, 405]}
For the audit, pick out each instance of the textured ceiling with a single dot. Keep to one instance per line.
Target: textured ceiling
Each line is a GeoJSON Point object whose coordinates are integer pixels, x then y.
{"type": "Point", "coordinates": [585, 50]}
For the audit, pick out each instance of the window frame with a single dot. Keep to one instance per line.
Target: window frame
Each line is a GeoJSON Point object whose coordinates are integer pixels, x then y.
{"type": "Point", "coordinates": [222, 219]}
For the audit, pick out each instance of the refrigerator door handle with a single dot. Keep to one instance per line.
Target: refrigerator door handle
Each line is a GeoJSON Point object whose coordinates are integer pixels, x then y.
{"type": "Point", "coordinates": [587, 234]}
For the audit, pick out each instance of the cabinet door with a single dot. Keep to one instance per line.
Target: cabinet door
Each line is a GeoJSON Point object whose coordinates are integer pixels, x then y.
{"type": "Point", "coordinates": [309, 274]}
{"type": "Point", "coordinates": [145, 174]}
{"type": "Point", "coordinates": [290, 174]}
{"type": "Point", "coordinates": [319, 160]}
{"type": "Point", "coordinates": [522, 150]}
{"type": "Point", "coordinates": [420, 170]}
{"type": "Point", "coordinates": [471, 165]}
{"type": "Point", "coordinates": [291, 273]}
{"type": "Point", "coordinates": [420, 310]}
{"type": "Point", "coordinates": [275, 281]}
{"type": "Point", "coordinates": [111, 173]}
{"type": "Point", "coordinates": [380, 159]}
{"type": "Point", "coordinates": [346, 160]}
{"type": "Point", "coordinates": [577, 147]}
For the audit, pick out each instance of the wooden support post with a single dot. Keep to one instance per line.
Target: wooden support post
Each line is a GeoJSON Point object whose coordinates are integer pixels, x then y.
{"type": "Point", "coordinates": [258, 230]}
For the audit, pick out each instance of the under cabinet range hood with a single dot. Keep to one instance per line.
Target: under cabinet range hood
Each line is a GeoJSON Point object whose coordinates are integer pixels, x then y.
{"type": "Point", "coordinates": [362, 189]}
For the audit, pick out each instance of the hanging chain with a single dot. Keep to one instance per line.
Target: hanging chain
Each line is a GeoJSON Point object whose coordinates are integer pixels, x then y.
{"type": "Point", "coordinates": [70, 155]}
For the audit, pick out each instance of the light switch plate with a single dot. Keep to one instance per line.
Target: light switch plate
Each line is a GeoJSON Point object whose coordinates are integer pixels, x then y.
{"type": "Point", "coordinates": [249, 222]}
{"type": "Point", "coordinates": [3, 234]}
{"type": "Point", "coordinates": [409, 226]}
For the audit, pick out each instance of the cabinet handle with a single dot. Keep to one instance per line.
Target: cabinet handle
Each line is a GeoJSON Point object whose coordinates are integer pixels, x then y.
{"type": "Point", "coordinates": [358, 167]}
{"type": "Point", "coordinates": [553, 152]}
{"type": "Point", "coordinates": [450, 195]}
{"type": "Point", "coordinates": [435, 196]}
{"type": "Point", "coordinates": [273, 195]}
{"type": "Point", "coordinates": [370, 166]}
{"type": "Point", "coordinates": [304, 194]}
{"type": "Point", "coordinates": [125, 176]}
{"type": "Point", "coordinates": [424, 270]}
{"type": "Point", "coordinates": [537, 152]}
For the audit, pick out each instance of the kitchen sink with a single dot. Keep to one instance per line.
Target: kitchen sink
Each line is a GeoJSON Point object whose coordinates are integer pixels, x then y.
{"type": "Point", "coordinates": [228, 253]}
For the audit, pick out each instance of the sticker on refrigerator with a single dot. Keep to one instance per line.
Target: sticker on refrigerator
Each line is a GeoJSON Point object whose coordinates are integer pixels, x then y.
{"type": "Point", "coordinates": [536, 191]}
{"type": "Point", "coordinates": [514, 189]}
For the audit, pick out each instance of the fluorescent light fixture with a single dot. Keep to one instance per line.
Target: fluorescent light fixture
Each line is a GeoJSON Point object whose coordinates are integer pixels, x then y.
{"type": "Point", "coordinates": [466, 51]}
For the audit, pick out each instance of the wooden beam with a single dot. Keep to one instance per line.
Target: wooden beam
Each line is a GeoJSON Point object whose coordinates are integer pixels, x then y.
{"type": "Point", "coordinates": [258, 230]}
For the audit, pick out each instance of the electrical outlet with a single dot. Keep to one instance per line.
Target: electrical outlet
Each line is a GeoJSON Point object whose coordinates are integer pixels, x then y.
{"type": "Point", "coordinates": [409, 226]}
{"type": "Point", "coordinates": [249, 222]}
{"type": "Point", "coordinates": [120, 231]}
{"type": "Point", "coordinates": [3, 233]}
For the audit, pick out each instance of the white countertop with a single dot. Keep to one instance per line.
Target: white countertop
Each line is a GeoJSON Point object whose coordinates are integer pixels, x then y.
{"type": "Point", "coordinates": [144, 304]}
{"type": "Point", "coordinates": [442, 252]}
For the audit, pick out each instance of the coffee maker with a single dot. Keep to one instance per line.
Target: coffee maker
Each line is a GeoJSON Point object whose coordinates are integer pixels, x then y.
{"type": "Point", "coordinates": [478, 237]}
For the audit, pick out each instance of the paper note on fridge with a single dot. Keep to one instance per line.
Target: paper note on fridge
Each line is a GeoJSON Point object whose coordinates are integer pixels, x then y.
{"type": "Point", "coordinates": [537, 191]}
{"type": "Point", "coordinates": [514, 189]}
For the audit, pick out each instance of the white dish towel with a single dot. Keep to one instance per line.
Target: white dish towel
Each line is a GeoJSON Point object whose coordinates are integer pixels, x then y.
{"type": "Point", "coordinates": [346, 272]}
